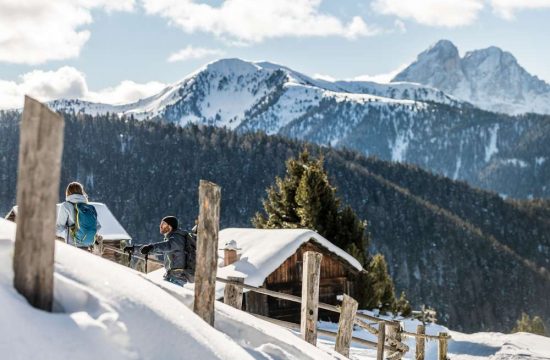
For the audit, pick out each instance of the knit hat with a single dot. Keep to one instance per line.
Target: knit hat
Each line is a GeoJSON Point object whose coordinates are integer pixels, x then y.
{"type": "Point", "coordinates": [172, 221]}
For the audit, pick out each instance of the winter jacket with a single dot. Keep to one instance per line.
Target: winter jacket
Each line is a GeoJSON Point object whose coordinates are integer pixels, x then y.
{"type": "Point", "coordinates": [173, 248]}
{"type": "Point", "coordinates": [65, 217]}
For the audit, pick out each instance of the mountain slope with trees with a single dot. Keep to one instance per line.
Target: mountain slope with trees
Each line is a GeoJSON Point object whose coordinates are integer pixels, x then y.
{"type": "Point", "coordinates": [478, 259]}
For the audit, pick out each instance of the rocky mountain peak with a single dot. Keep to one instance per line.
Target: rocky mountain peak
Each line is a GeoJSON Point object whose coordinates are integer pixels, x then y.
{"type": "Point", "coordinates": [489, 78]}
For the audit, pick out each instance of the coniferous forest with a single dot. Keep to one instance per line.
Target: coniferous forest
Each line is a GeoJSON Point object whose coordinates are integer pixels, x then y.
{"type": "Point", "coordinates": [479, 260]}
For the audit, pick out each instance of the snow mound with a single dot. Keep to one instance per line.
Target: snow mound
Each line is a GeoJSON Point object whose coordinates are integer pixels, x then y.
{"type": "Point", "coordinates": [103, 310]}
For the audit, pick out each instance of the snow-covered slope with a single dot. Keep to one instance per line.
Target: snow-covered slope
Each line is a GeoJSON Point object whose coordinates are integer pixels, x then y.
{"type": "Point", "coordinates": [489, 78]}
{"type": "Point", "coordinates": [107, 311]}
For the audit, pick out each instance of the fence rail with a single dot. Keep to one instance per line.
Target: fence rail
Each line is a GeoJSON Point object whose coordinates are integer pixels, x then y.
{"type": "Point", "coordinates": [392, 341]}
{"type": "Point", "coordinates": [39, 291]}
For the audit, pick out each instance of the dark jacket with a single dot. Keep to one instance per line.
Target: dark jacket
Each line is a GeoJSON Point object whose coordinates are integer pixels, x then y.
{"type": "Point", "coordinates": [173, 248]}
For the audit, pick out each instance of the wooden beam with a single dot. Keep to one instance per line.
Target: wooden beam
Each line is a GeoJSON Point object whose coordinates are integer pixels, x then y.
{"type": "Point", "coordinates": [345, 325]}
{"type": "Point", "coordinates": [233, 294]}
{"type": "Point", "coordinates": [420, 342]}
{"type": "Point", "coordinates": [40, 150]}
{"type": "Point", "coordinates": [207, 250]}
{"type": "Point", "coordinates": [296, 327]}
{"type": "Point", "coordinates": [442, 350]}
{"type": "Point", "coordinates": [381, 341]}
{"type": "Point", "coordinates": [391, 336]}
{"type": "Point", "coordinates": [310, 296]}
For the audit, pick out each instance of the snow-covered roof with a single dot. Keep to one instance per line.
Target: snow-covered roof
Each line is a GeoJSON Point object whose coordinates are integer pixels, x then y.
{"type": "Point", "coordinates": [262, 251]}
{"type": "Point", "coordinates": [110, 227]}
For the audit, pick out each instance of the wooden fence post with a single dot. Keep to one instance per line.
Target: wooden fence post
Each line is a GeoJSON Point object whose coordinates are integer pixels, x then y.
{"type": "Point", "coordinates": [345, 325]}
{"type": "Point", "coordinates": [442, 346]}
{"type": "Point", "coordinates": [310, 296]}
{"type": "Point", "coordinates": [207, 250]}
{"type": "Point", "coordinates": [391, 336]}
{"type": "Point", "coordinates": [233, 294]}
{"type": "Point", "coordinates": [381, 341]}
{"type": "Point", "coordinates": [40, 150]}
{"type": "Point", "coordinates": [420, 342]}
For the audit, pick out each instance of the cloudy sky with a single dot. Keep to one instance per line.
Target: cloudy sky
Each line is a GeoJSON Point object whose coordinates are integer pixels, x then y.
{"type": "Point", "coordinates": [123, 50]}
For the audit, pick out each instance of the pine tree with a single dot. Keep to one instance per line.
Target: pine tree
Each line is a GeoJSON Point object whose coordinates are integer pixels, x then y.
{"type": "Point", "coordinates": [379, 286]}
{"type": "Point", "coordinates": [533, 325]}
{"type": "Point", "coordinates": [304, 198]}
{"type": "Point", "coordinates": [402, 306]}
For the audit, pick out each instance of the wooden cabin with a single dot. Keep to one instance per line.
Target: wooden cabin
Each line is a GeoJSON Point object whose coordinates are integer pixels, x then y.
{"type": "Point", "coordinates": [113, 233]}
{"type": "Point", "coordinates": [272, 258]}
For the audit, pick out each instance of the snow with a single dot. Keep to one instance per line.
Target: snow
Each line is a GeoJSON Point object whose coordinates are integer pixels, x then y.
{"type": "Point", "coordinates": [260, 338]}
{"type": "Point", "coordinates": [264, 250]}
{"type": "Point", "coordinates": [104, 310]}
{"type": "Point", "coordinates": [498, 346]}
{"type": "Point", "coordinates": [491, 148]}
{"type": "Point", "coordinates": [107, 311]}
{"type": "Point", "coordinates": [110, 227]}
{"type": "Point", "coordinates": [515, 162]}
{"type": "Point", "coordinates": [400, 145]}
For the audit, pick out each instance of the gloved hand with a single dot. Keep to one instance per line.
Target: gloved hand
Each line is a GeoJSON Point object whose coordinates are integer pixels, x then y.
{"type": "Point", "coordinates": [145, 249]}
{"type": "Point", "coordinates": [129, 248]}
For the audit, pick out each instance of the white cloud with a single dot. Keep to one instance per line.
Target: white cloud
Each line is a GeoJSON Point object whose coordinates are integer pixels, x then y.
{"type": "Point", "coordinates": [68, 82]}
{"type": "Point", "coordinates": [35, 31]}
{"type": "Point", "coordinates": [324, 77]}
{"type": "Point", "coordinates": [252, 21]}
{"type": "Point", "coordinates": [507, 8]}
{"type": "Point", "coordinates": [194, 53]}
{"type": "Point", "coordinates": [126, 92]}
{"type": "Point", "coordinates": [381, 78]}
{"type": "Point", "coordinates": [400, 26]}
{"type": "Point", "coordinates": [447, 13]}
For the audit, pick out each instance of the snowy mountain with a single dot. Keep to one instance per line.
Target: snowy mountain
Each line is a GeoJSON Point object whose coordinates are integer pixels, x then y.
{"type": "Point", "coordinates": [257, 96]}
{"type": "Point", "coordinates": [398, 121]}
{"type": "Point", "coordinates": [489, 78]}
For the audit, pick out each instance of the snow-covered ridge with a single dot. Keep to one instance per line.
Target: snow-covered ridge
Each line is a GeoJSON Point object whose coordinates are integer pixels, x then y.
{"type": "Point", "coordinates": [230, 92]}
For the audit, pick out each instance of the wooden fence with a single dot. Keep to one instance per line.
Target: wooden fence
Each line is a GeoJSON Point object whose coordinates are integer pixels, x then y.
{"type": "Point", "coordinates": [38, 182]}
{"type": "Point", "coordinates": [388, 342]}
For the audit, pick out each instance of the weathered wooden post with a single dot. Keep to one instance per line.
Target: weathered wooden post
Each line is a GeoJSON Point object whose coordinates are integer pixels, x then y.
{"type": "Point", "coordinates": [442, 346]}
{"type": "Point", "coordinates": [381, 341]}
{"type": "Point", "coordinates": [392, 334]}
{"type": "Point", "coordinates": [233, 294]}
{"type": "Point", "coordinates": [207, 250]}
{"type": "Point", "coordinates": [420, 342]}
{"type": "Point", "coordinates": [345, 325]}
{"type": "Point", "coordinates": [40, 150]}
{"type": "Point", "coordinates": [310, 296]}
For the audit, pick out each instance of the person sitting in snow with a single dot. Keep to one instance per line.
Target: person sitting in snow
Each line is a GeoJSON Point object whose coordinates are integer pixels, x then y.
{"type": "Point", "coordinates": [179, 250]}
{"type": "Point", "coordinates": [77, 222]}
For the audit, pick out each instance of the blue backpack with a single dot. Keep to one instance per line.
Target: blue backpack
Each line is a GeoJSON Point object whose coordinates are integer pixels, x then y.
{"type": "Point", "coordinates": [85, 225]}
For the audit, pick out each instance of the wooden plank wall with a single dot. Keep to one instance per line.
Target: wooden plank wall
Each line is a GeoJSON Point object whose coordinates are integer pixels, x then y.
{"type": "Point", "coordinates": [337, 278]}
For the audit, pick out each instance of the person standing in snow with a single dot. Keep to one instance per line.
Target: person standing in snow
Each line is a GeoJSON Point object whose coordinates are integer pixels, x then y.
{"type": "Point", "coordinates": [67, 219]}
{"type": "Point", "coordinates": [178, 248]}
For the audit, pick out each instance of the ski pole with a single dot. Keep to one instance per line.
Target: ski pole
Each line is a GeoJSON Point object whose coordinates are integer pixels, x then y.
{"type": "Point", "coordinates": [130, 253]}
{"type": "Point", "coordinates": [146, 258]}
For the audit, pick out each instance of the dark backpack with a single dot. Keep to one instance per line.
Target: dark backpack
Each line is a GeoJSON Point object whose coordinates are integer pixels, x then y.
{"type": "Point", "coordinates": [190, 252]}
{"type": "Point", "coordinates": [84, 229]}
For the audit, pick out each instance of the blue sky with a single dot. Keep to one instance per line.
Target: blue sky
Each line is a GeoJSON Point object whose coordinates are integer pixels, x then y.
{"type": "Point", "coordinates": [119, 52]}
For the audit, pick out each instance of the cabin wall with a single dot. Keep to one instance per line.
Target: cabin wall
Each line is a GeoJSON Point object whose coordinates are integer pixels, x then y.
{"type": "Point", "coordinates": [337, 278]}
